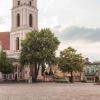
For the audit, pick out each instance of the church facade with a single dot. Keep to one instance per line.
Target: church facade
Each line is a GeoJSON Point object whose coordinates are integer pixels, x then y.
{"type": "Point", "coordinates": [24, 20]}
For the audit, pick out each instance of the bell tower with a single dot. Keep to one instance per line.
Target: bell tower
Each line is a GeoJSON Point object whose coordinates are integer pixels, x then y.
{"type": "Point", "coordinates": [24, 20]}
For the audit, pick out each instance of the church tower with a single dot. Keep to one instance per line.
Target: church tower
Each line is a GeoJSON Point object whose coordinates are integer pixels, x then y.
{"type": "Point", "coordinates": [24, 20]}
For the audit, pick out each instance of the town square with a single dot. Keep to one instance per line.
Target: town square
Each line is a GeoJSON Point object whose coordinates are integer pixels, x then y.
{"type": "Point", "coordinates": [50, 50]}
{"type": "Point", "coordinates": [50, 91]}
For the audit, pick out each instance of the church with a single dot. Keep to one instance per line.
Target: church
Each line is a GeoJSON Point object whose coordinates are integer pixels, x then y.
{"type": "Point", "coordinates": [24, 19]}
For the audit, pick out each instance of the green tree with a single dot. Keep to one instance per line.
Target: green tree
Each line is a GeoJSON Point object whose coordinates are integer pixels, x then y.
{"type": "Point", "coordinates": [38, 48]}
{"type": "Point", "coordinates": [6, 66]}
{"type": "Point", "coordinates": [70, 61]}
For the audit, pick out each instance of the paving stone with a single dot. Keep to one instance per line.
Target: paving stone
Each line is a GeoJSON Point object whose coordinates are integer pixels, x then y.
{"type": "Point", "coordinates": [49, 91]}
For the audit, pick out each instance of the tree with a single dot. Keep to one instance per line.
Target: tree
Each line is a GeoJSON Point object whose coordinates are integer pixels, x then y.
{"type": "Point", "coordinates": [70, 61]}
{"type": "Point", "coordinates": [38, 48]}
{"type": "Point", "coordinates": [6, 66]}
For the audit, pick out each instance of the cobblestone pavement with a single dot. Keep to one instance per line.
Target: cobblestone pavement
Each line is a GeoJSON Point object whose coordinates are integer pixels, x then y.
{"type": "Point", "coordinates": [49, 91]}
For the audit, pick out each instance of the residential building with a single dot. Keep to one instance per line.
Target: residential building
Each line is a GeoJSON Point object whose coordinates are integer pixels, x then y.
{"type": "Point", "coordinates": [91, 72]}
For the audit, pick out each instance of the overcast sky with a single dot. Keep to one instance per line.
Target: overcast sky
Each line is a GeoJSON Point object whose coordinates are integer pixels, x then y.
{"type": "Point", "coordinates": [75, 22]}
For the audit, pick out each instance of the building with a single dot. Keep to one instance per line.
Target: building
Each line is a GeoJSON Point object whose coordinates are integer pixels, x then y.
{"type": "Point", "coordinates": [91, 72]}
{"type": "Point", "coordinates": [24, 19]}
{"type": "Point", "coordinates": [67, 75]}
{"type": "Point", "coordinates": [5, 40]}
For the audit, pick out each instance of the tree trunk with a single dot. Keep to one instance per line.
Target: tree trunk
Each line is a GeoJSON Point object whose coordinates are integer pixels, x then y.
{"type": "Point", "coordinates": [35, 72]}
{"type": "Point", "coordinates": [43, 69]}
{"type": "Point", "coordinates": [71, 78]}
{"type": "Point", "coordinates": [5, 77]}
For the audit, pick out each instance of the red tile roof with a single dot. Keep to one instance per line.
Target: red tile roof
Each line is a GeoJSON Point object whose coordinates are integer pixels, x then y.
{"type": "Point", "coordinates": [5, 40]}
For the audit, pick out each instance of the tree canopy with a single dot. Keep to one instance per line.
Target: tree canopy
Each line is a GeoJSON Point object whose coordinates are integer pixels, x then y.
{"type": "Point", "coordinates": [38, 48]}
{"type": "Point", "coordinates": [70, 61]}
{"type": "Point", "coordinates": [6, 66]}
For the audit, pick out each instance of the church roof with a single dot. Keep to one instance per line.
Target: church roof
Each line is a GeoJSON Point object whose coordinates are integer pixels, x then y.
{"type": "Point", "coordinates": [5, 40]}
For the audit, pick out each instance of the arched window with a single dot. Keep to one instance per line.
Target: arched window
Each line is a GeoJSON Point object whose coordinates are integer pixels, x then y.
{"type": "Point", "coordinates": [17, 43]}
{"type": "Point", "coordinates": [30, 3]}
{"type": "Point", "coordinates": [18, 2]}
{"type": "Point", "coordinates": [18, 20]}
{"type": "Point", "coordinates": [30, 20]}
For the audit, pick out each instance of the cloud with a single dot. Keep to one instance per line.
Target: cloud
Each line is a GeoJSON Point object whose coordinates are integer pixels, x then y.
{"type": "Point", "coordinates": [5, 23]}
{"type": "Point", "coordinates": [84, 40]}
{"type": "Point", "coordinates": [82, 13]}
{"type": "Point", "coordinates": [5, 15]}
{"type": "Point", "coordinates": [4, 20]}
{"type": "Point", "coordinates": [74, 34]}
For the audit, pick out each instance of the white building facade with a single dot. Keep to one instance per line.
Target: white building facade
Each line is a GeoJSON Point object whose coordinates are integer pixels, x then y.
{"type": "Point", "coordinates": [24, 20]}
{"type": "Point", "coordinates": [91, 72]}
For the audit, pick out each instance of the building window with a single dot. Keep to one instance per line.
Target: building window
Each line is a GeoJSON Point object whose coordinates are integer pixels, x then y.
{"type": "Point", "coordinates": [30, 20]}
{"type": "Point", "coordinates": [17, 43]}
{"type": "Point", "coordinates": [30, 3]}
{"type": "Point", "coordinates": [18, 20]}
{"type": "Point", "coordinates": [18, 2]}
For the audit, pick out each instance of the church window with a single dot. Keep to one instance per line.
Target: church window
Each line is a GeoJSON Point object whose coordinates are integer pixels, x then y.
{"type": "Point", "coordinates": [30, 3]}
{"type": "Point", "coordinates": [18, 3]}
{"type": "Point", "coordinates": [18, 20]}
{"type": "Point", "coordinates": [30, 20]}
{"type": "Point", "coordinates": [17, 43]}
